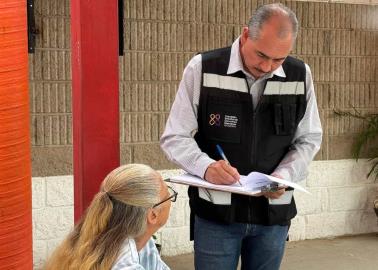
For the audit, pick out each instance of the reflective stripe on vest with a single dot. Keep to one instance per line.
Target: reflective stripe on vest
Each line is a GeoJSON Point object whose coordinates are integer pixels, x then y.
{"type": "Point", "coordinates": [239, 84]}
{"type": "Point", "coordinates": [225, 82]}
{"type": "Point", "coordinates": [284, 88]}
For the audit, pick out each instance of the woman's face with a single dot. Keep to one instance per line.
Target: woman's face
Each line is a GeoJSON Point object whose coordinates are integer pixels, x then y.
{"type": "Point", "coordinates": [165, 207]}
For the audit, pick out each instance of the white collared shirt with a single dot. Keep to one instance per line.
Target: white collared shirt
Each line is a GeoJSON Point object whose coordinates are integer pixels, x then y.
{"type": "Point", "coordinates": [180, 147]}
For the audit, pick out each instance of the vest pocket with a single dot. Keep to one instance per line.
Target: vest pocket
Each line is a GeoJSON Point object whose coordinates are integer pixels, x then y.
{"type": "Point", "coordinates": [284, 199]}
{"type": "Point", "coordinates": [215, 196]}
{"type": "Point", "coordinates": [284, 118]}
{"type": "Point", "coordinates": [204, 208]}
{"type": "Point", "coordinates": [283, 209]}
{"type": "Point", "coordinates": [223, 122]}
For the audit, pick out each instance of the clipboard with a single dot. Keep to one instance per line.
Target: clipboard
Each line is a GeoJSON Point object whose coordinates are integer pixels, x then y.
{"type": "Point", "coordinates": [252, 184]}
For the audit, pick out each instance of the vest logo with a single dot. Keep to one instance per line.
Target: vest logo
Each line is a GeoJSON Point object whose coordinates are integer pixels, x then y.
{"type": "Point", "coordinates": [215, 119]}
{"type": "Point", "coordinates": [231, 121]}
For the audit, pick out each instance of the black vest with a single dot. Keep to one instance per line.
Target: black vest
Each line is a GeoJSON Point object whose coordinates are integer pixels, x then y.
{"type": "Point", "coordinates": [253, 140]}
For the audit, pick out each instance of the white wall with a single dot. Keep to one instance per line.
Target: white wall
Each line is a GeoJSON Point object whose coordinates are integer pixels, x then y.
{"type": "Point", "coordinates": [341, 203]}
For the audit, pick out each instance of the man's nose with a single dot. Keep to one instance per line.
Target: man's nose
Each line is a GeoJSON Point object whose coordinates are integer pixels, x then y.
{"type": "Point", "coordinates": [266, 65]}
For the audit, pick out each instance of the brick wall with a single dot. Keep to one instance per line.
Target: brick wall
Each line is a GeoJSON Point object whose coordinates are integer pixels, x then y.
{"type": "Point", "coordinates": [338, 40]}
{"type": "Point", "coordinates": [50, 90]}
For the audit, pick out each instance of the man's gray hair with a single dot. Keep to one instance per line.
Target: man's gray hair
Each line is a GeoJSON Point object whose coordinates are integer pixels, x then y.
{"type": "Point", "coordinates": [265, 12]}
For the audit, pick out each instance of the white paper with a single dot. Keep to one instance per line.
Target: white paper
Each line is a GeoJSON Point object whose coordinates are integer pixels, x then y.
{"type": "Point", "coordinates": [256, 179]}
{"type": "Point", "coordinates": [192, 180]}
{"type": "Point", "coordinates": [251, 184]}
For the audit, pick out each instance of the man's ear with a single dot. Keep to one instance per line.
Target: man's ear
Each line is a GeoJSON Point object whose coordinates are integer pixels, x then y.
{"type": "Point", "coordinates": [244, 35]}
{"type": "Point", "coordinates": [152, 216]}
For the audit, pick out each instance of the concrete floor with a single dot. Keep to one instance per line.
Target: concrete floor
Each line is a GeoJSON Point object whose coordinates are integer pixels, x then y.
{"type": "Point", "coordinates": [346, 253]}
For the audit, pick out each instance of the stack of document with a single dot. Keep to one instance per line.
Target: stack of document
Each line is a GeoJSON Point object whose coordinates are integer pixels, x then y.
{"type": "Point", "coordinates": [251, 184]}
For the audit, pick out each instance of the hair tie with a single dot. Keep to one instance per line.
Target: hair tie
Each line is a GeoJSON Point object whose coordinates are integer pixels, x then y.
{"type": "Point", "coordinates": [105, 192]}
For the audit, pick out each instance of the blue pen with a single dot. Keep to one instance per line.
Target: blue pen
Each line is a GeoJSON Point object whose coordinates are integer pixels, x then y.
{"type": "Point", "coordinates": [221, 153]}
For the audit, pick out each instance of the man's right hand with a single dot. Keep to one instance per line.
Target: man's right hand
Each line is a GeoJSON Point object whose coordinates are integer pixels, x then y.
{"type": "Point", "coordinates": [221, 173]}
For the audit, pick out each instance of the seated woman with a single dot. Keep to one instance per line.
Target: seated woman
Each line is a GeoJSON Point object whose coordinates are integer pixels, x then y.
{"type": "Point", "coordinates": [115, 232]}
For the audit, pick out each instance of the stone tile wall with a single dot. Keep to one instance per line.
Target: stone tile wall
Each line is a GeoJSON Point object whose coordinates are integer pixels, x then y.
{"type": "Point", "coordinates": [338, 41]}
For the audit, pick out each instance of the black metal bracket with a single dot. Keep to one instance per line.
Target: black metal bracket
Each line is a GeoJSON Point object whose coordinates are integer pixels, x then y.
{"type": "Point", "coordinates": [32, 31]}
{"type": "Point", "coordinates": [120, 27]}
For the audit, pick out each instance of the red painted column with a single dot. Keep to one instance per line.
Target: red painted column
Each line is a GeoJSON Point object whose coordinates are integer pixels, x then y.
{"type": "Point", "coordinates": [16, 245]}
{"type": "Point", "coordinates": [94, 46]}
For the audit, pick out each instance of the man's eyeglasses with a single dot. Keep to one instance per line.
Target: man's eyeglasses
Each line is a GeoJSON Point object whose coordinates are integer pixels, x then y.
{"type": "Point", "coordinates": [172, 197]}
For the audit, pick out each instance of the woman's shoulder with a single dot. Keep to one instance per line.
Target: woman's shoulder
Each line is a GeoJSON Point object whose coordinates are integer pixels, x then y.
{"type": "Point", "coordinates": [147, 258]}
{"type": "Point", "coordinates": [128, 258]}
{"type": "Point", "coordinates": [150, 258]}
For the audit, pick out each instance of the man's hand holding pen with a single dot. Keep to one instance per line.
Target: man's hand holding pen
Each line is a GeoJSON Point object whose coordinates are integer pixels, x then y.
{"type": "Point", "coordinates": [221, 173]}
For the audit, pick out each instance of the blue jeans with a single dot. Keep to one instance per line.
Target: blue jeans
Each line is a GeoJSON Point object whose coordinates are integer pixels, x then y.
{"type": "Point", "coordinates": [218, 246]}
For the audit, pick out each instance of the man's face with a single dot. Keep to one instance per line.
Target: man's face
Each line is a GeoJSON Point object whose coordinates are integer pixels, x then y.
{"type": "Point", "coordinates": [265, 54]}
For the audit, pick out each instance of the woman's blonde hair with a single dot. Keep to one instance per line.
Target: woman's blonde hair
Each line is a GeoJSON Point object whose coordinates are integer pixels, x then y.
{"type": "Point", "coordinates": [117, 212]}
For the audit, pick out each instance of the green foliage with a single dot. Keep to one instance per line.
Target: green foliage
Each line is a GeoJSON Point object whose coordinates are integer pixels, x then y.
{"type": "Point", "coordinates": [367, 135]}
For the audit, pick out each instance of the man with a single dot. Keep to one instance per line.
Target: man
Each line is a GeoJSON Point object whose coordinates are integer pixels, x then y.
{"type": "Point", "coordinates": [259, 105]}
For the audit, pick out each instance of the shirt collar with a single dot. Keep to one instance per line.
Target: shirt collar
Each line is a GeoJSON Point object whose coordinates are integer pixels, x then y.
{"type": "Point", "coordinates": [236, 64]}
